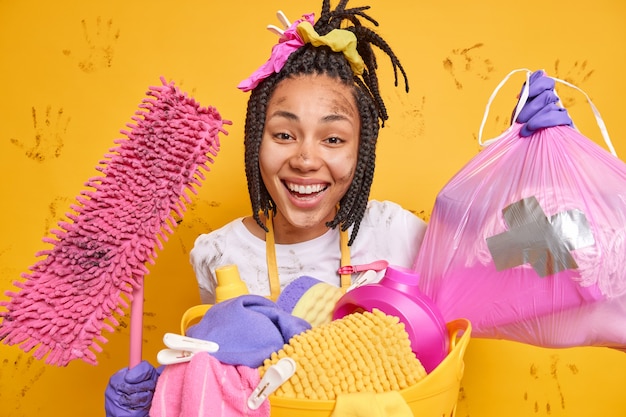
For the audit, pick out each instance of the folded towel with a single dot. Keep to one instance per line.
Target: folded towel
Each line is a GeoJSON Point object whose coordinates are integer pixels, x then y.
{"type": "Point", "coordinates": [214, 389]}
{"type": "Point", "coordinates": [248, 329]}
{"type": "Point", "coordinates": [167, 399]}
{"type": "Point", "coordinates": [205, 387]}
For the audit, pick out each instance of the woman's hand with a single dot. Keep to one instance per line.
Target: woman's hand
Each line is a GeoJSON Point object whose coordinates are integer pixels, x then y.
{"type": "Point", "coordinates": [540, 110]}
{"type": "Point", "coordinates": [130, 391]}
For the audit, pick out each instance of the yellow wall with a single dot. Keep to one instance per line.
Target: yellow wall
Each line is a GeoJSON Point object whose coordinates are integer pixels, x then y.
{"type": "Point", "coordinates": [73, 73]}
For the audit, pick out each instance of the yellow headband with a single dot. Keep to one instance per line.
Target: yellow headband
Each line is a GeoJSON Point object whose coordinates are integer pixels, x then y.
{"type": "Point", "coordinates": [339, 40]}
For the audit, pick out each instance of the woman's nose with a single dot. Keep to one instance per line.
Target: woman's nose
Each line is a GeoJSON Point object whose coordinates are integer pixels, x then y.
{"type": "Point", "coordinates": [305, 158]}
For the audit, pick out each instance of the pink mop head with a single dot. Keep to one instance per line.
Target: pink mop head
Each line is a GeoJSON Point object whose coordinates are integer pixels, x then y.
{"type": "Point", "coordinates": [71, 295]}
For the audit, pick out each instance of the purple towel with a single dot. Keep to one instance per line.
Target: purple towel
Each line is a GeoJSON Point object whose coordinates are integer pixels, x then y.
{"type": "Point", "coordinates": [248, 329]}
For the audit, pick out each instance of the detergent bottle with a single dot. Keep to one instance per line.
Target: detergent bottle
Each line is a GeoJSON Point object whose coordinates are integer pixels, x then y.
{"type": "Point", "coordinates": [229, 283]}
{"type": "Point", "coordinates": [397, 294]}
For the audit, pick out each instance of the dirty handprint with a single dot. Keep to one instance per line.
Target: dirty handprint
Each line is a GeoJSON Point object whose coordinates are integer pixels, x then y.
{"type": "Point", "coordinates": [545, 394]}
{"type": "Point", "coordinates": [467, 61]}
{"type": "Point", "coordinates": [98, 49]}
{"type": "Point", "coordinates": [576, 74]}
{"type": "Point", "coordinates": [49, 131]}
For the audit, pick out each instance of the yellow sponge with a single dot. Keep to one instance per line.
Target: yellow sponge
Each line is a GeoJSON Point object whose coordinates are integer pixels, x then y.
{"type": "Point", "coordinates": [310, 299]}
{"type": "Point", "coordinates": [317, 304]}
{"type": "Point", "coordinates": [361, 352]}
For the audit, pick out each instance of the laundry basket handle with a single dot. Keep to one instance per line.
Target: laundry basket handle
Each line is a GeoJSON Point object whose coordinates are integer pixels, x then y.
{"type": "Point", "coordinates": [455, 327]}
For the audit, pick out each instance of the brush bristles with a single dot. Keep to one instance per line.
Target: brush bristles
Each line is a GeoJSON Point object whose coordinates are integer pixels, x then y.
{"type": "Point", "coordinates": [99, 257]}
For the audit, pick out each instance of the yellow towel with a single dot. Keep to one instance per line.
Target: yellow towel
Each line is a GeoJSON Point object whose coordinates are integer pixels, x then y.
{"type": "Point", "coordinates": [361, 352]}
{"type": "Point", "coordinates": [366, 404]}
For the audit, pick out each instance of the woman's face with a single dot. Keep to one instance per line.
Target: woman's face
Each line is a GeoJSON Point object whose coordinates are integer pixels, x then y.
{"type": "Point", "coordinates": [308, 153]}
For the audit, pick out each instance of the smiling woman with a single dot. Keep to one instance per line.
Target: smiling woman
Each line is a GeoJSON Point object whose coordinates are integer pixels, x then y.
{"type": "Point", "coordinates": [74, 72]}
{"type": "Point", "coordinates": [311, 131]}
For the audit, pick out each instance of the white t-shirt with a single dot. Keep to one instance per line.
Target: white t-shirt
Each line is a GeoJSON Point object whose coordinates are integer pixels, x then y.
{"type": "Point", "coordinates": [388, 232]}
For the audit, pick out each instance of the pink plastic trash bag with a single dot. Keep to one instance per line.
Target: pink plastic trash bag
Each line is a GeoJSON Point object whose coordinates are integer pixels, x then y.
{"type": "Point", "coordinates": [527, 241]}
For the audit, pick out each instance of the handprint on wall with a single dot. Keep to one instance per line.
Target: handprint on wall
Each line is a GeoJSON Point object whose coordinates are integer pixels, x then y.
{"type": "Point", "coordinates": [464, 62]}
{"type": "Point", "coordinates": [413, 120]}
{"type": "Point", "coordinates": [194, 222]}
{"type": "Point", "coordinates": [99, 46]}
{"type": "Point", "coordinates": [49, 131]}
{"type": "Point", "coordinates": [577, 74]}
{"type": "Point", "coordinates": [56, 213]}
{"type": "Point", "coordinates": [23, 368]}
{"type": "Point", "coordinates": [546, 396]}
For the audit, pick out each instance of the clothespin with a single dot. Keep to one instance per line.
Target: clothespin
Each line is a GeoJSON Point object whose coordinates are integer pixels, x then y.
{"type": "Point", "coordinates": [274, 377]}
{"type": "Point", "coordinates": [182, 348]}
{"type": "Point", "coordinates": [373, 266]}
{"type": "Point", "coordinates": [283, 20]}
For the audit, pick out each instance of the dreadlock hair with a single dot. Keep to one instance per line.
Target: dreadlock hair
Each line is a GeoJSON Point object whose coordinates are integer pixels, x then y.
{"type": "Point", "coordinates": [307, 60]}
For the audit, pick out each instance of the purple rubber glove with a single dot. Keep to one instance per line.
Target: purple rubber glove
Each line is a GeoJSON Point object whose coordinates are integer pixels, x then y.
{"type": "Point", "coordinates": [130, 391]}
{"type": "Point", "coordinates": [540, 110]}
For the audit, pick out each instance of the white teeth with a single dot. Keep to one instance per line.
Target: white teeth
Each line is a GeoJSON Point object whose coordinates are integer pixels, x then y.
{"type": "Point", "coordinates": [305, 189]}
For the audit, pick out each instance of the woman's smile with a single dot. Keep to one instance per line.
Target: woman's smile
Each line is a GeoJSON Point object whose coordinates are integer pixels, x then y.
{"type": "Point", "coordinates": [309, 151]}
{"type": "Point", "coordinates": [305, 195]}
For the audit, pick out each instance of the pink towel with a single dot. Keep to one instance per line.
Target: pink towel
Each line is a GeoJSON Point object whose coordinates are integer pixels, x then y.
{"type": "Point", "coordinates": [205, 387]}
{"type": "Point", "coordinates": [168, 395]}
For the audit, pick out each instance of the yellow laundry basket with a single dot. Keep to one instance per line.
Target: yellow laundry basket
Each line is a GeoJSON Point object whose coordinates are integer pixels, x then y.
{"type": "Point", "coordinates": [434, 396]}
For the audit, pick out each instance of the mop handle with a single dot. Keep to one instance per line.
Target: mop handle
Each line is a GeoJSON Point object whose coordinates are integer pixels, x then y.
{"type": "Point", "coordinates": [136, 327]}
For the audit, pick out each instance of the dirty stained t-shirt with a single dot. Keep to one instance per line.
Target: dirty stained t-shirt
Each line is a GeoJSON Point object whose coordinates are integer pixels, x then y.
{"type": "Point", "coordinates": [387, 232]}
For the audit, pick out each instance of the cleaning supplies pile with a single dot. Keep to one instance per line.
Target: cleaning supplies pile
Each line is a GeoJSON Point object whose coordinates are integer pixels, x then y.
{"type": "Point", "coordinates": [360, 353]}
{"type": "Point", "coordinates": [302, 347]}
{"type": "Point", "coordinates": [99, 256]}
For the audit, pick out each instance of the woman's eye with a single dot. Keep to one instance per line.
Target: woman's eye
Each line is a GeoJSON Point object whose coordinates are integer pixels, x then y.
{"type": "Point", "coordinates": [283, 136]}
{"type": "Point", "coordinates": [334, 140]}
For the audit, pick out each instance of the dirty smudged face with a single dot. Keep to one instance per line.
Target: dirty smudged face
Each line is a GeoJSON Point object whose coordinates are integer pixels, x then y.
{"type": "Point", "coordinates": [308, 153]}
